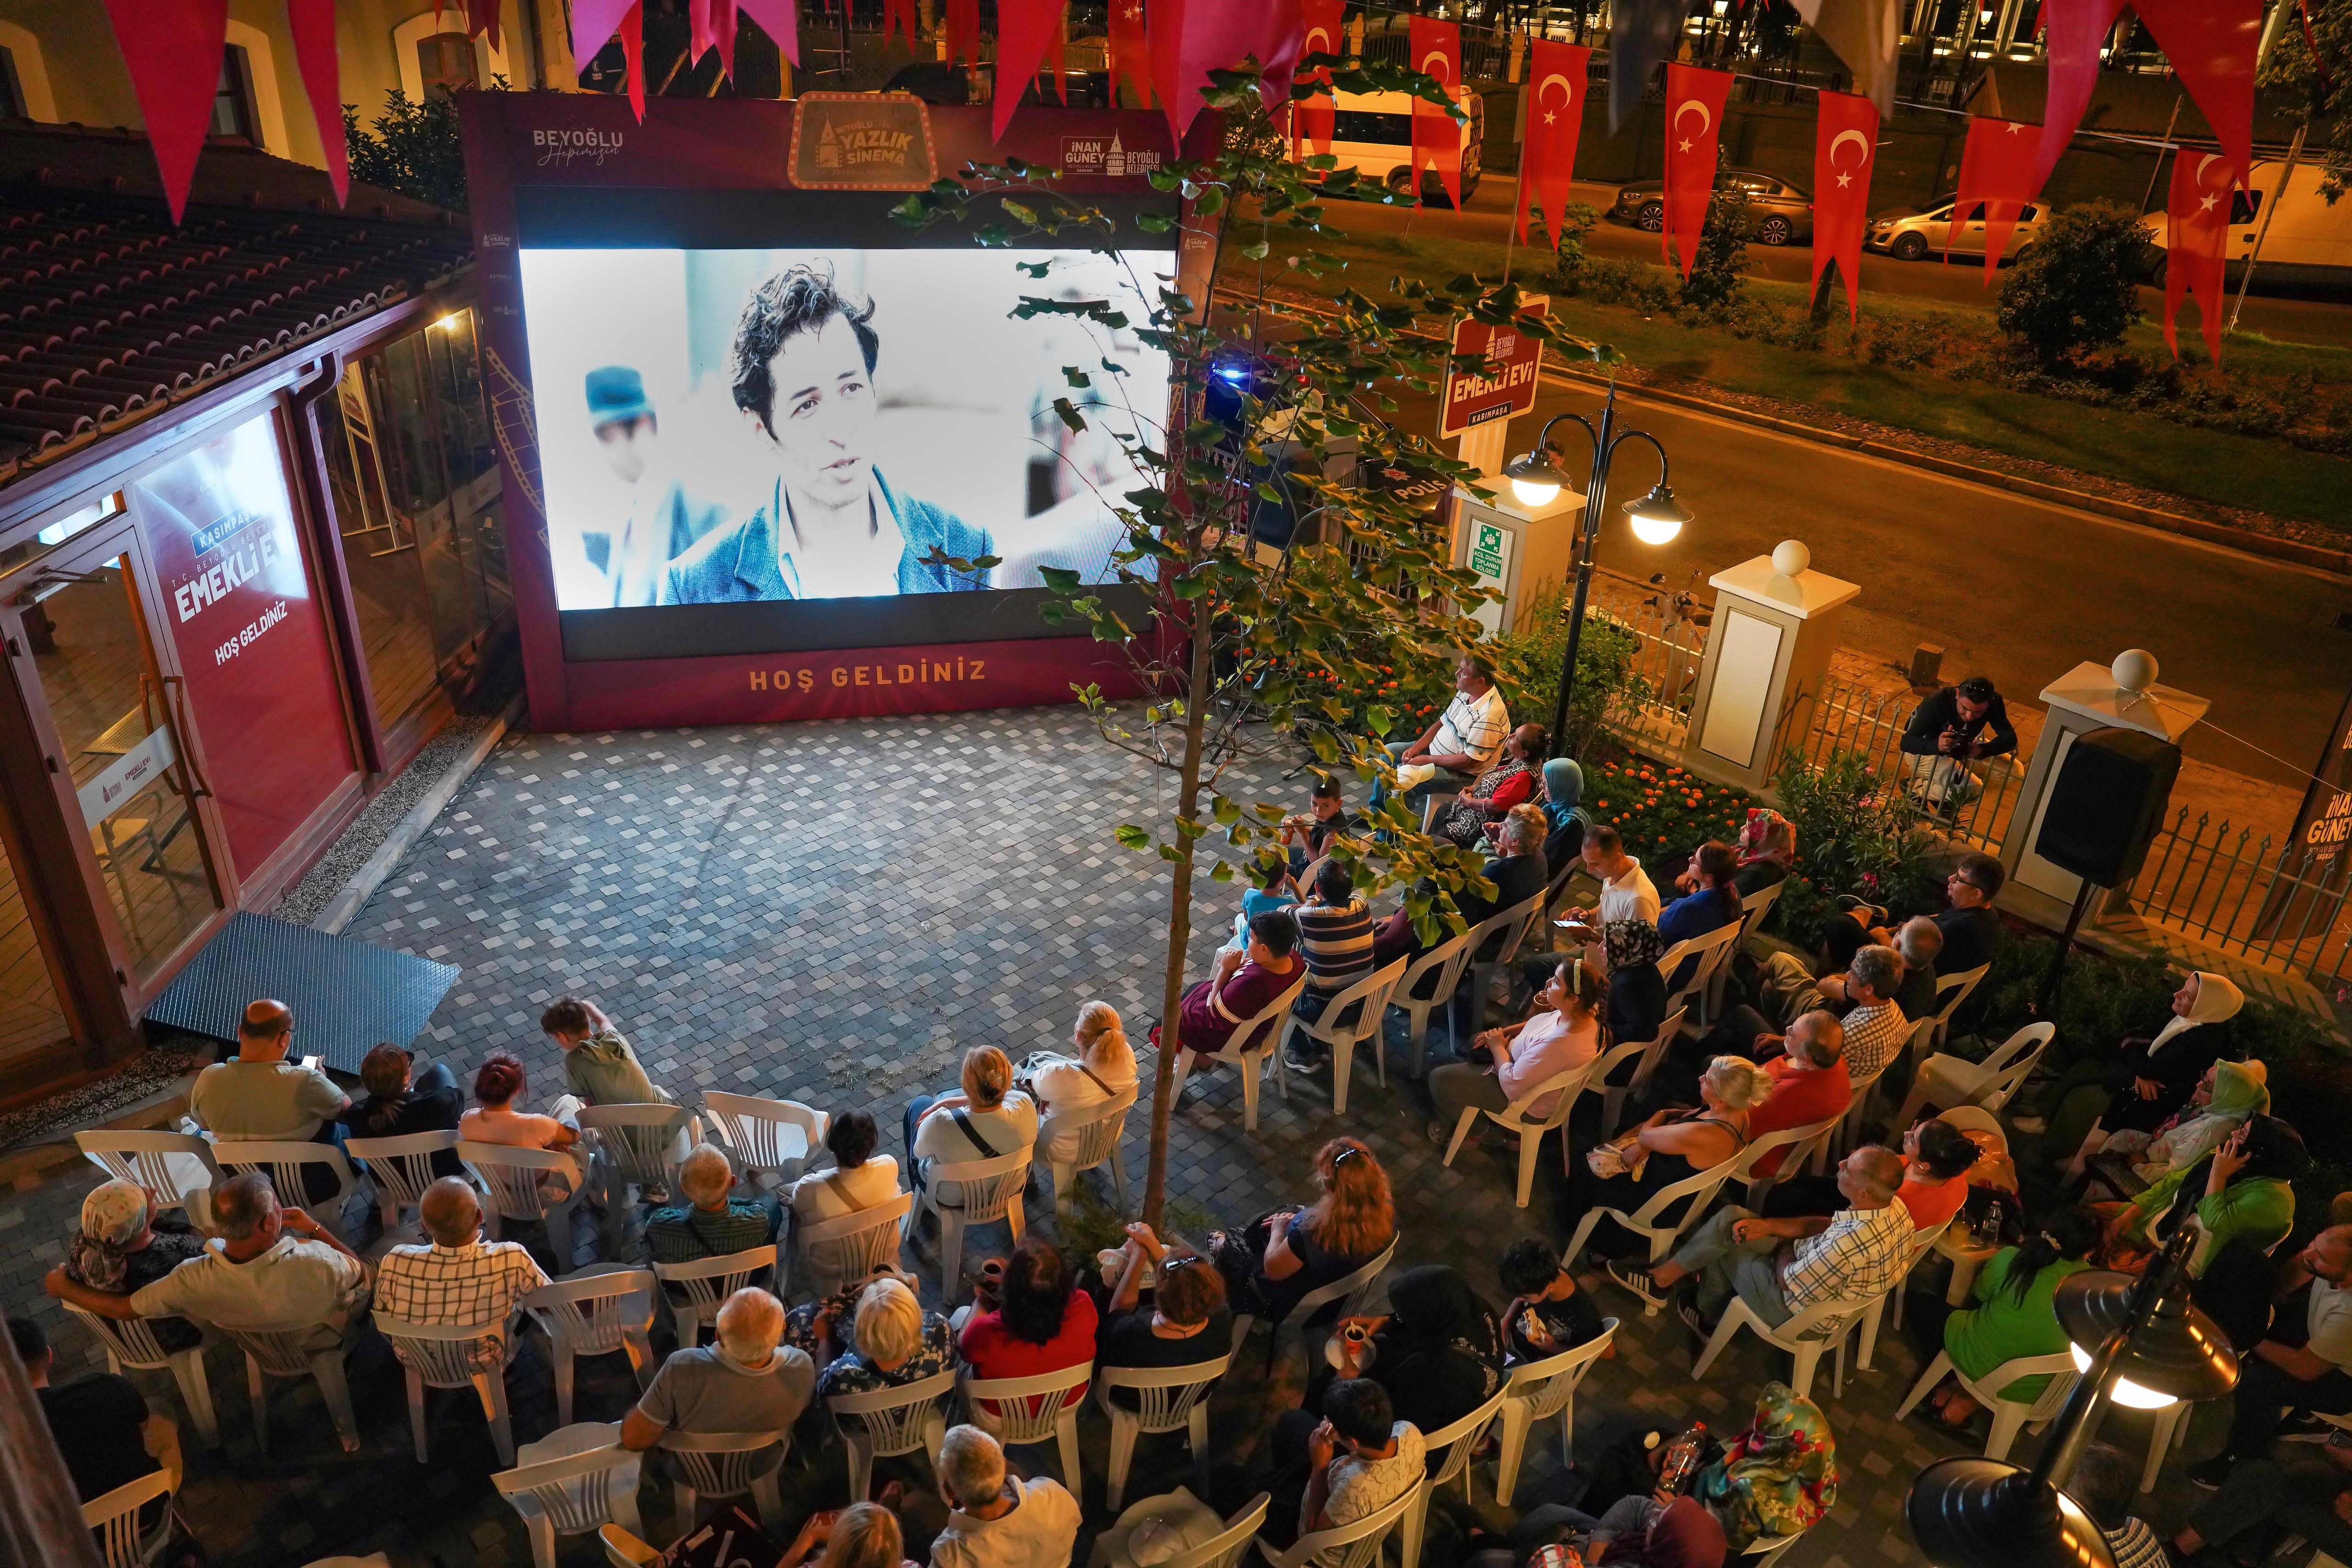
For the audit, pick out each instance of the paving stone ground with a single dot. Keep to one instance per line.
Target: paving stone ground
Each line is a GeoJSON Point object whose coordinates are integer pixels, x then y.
{"type": "Point", "coordinates": [832, 913]}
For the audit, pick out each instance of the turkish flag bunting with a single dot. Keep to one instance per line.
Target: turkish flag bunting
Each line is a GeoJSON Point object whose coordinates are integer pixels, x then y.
{"type": "Point", "coordinates": [1693, 123]}
{"type": "Point", "coordinates": [1312, 119]}
{"type": "Point", "coordinates": [2212, 43]}
{"type": "Point", "coordinates": [2000, 173]}
{"type": "Point", "coordinates": [2197, 213]}
{"type": "Point", "coordinates": [722, 33]}
{"type": "Point", "coordinates": [1189, 39]}
{"type": "Point", "coordinates": [1557, 77]}
{"type": "Point", "coordinates": [172, 48]}
{"type": "Point", "coordinates": [1131, 49]}
{"type": "Point", "coordinates": [1437, 135]}
{"type": "Point", "coordinates": [482, 17]}
{"type": "Point", "coordinates": [1845, 148]}
{"type": "Point", "coordinates": [633, 56]}
{"type": "Point", "coordinates": [312, 24]}
{"type": "Point", "coordinates": [780, 22]}
{"type": "Point", "coordinates": [900, 15]}
{"type": "Point", "coordinates": [1023, 28]}
{"type": "Point", "coordinates": [698, 30]}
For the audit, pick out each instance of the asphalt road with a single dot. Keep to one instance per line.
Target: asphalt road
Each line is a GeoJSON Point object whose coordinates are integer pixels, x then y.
{"type": "Point", "coordinates": [1487, 216]}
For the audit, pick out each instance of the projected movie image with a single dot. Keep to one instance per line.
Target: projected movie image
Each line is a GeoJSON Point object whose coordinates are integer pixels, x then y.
{"type": "Point", "coordinates": [741, 426]}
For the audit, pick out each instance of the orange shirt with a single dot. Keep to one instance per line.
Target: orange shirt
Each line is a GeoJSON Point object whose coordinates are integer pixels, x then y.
{"type": "Point", "coordinates": [1932, 1203]}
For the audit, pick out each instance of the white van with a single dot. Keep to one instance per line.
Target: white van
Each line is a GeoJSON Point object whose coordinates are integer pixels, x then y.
{"type": "Point", "coordinates": [1371, 134]}
{"type": "Point", "coordinates": [2309, 241]}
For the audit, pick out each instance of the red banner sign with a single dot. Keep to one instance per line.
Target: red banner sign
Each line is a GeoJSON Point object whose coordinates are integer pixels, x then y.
{"type": "Point", "coordinates": [1845, 150]}
{"type": "Point", "coordinates": [1504, 386]}
{"type": "Point", "coordinates": [1437, 135]}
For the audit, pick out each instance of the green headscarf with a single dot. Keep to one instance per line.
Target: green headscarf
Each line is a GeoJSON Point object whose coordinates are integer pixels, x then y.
{"type": "Point", "coordinates": [1776, 1478]}
{"type": "Point", "coordinates": [2240, 1089]}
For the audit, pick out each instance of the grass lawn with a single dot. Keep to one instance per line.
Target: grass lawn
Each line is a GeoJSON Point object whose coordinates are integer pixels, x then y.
{"type": "Point", "coordinates": [2213, 465]}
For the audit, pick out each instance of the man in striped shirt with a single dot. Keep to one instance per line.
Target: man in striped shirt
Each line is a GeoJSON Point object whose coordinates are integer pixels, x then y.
{"type": "Point", "coordinates": [458, 1280]}
{"type": "Point", "coordinates": [1335, 938]}
{"type": "Point", "coordinates": [1463, 743]}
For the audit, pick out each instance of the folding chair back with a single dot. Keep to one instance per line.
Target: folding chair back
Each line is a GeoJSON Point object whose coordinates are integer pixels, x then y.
{"type": "Point", "coordinates": [1355, 1545]}
{"type": "Point", "coordinates": [578, 1492]}
{"type": "Point", "coordinates": [1754, 907]}
{"type": "Point", "coordinates": [1563, 1087]}
{"type": "Point", "coordinates": [725, 1464]}
{"type": "Point", "coordinates": [1043, 1408]}
{"type": "Point", "coordinates": [1951, 991]}
{"type": "Point", "coordinates": [1695, 1192]}
{"type": "Point", "coordinates": [1226, 1550]}
{"type": "Point", "coordinates": [888, 1421]}
{"type": "Point", "coordinates": [1097, 1129]}
{"type": "Point", "coordinates": [511, 1177]}
{"type": "Point", "coordinates": [1796, 1140]}
{"type": "Point", "coordinates": [2013, 1063]}
{"type": "Point", "coordinates": [1260, 1034]}
{"type": "Point", "coordinates": [440, 1353]}
{"type": "Point", "coordinates": [779, 1135]}
{"type": "Point", "coordinates": [1652, 1052]}
{"type": "Point", "coordinates": [1428, 984]}
{"type": "Point", "coordinates": [1351, 1019]}
{"type": "Point", "coordinates": [400, 1168]}
{"type": "Point", "coordinates": [639, 1144]}
{"type": "Point", "coordinates": [1349, 1290]}
{"type": "Point", "coordinates": [1450, 1447]}
{"type": "Point", "coordinates": [1712, 952]}
{"type": "Point", "coordinates": [113, 1517]}
{"type": "Point", "coordinates": [177, 1167]}
{"type": "Point", "coordinates": [698, 1289]}
{"type": "Point", "coordinates": [1166, 1399]}
{"type": "Point", "coordinates": [285, 1163]}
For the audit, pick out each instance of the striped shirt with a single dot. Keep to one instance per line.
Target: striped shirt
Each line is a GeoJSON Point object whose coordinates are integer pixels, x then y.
{"type": "Point", "coordinates": [1472, 728]}
{"type": "Point", "coordinates": [1336, 940]}
{"type": "Point", "coordinates": [2134, 1545]}
{"type": "Point", "coordinates": [1873, 1038]}
{"type": "Point", "coordinates": [1860, 1256]}
{"type": "Point", "coordinates": [477, 1285]}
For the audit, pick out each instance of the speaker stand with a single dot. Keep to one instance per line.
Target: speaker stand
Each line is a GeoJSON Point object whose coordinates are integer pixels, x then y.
{"type": "Point", "coordinates": [2046, 1008]}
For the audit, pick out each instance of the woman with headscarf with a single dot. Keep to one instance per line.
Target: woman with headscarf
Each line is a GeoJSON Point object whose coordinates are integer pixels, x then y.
{"type": "Point", "coordinates": [1778, 1478]}
{"type": "Point", "coordinates": [2246, 1195]}
{"type": "Point", "coordinates": [124, 1245]}
{"type": "Point", "coordinates": [1563, 810]}
{"type": "Point", "coordinates": [1439, 1350]}
{"type": "Point", "coordinates": [1766, 850]}
{"type": "Point", "coordinates": [2231, 1093]}
{"type": "Point", "coordinates": [2148, 1082]}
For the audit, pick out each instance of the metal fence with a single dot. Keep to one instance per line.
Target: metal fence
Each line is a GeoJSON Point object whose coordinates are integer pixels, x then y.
{"type": "Point", "coordinates": [1652, 707]}
{"type": "Point", "coordinates": [1968, 804]}
{"type": "Point", "coordinates": [2230, 891]}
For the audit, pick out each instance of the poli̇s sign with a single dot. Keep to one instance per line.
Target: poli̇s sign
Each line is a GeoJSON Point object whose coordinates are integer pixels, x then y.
{"type": "Point", "coordinates": [1503, 385]}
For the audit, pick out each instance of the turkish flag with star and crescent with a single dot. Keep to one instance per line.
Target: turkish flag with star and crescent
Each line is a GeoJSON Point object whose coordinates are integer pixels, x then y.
{"type": "Point", "coordinates": [2197, 216]}
{"type": "Point", "coordinates": [1845, 148]}
{"type": "Point", "coordinates": [2000, 173]}
{"type": "Point", "coordinates": [1555, 113]}
{"type": "Point", "coordinates": [1695, 99]}
{"type": "Point", "coordinates": [1130, 50]}
{"type": "Point", "coordinates": [1437, 135]}
{"type": "Point", "coordinates": [1311, 119]}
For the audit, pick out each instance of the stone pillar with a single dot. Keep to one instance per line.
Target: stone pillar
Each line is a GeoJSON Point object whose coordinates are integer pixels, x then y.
{"type": "Point", "coordinates": [2089, 696]}
{"type": "Point", "coordinates": [1776, 624]}
{"type": "Point", "coordinates": [1521, 550]}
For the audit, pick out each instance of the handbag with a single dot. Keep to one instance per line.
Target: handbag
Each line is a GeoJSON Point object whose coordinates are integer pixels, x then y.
{"type": "Point", "coordinates": [1622, 1156]}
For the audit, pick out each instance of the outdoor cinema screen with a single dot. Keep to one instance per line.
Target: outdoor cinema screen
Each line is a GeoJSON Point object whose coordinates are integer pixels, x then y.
{"type": "Point", "coordinates": [810, 429]}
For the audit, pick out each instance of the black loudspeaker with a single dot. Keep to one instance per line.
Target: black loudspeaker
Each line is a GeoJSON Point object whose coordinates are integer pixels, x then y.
{"type": "Point", "coordinates": [2107, 803]}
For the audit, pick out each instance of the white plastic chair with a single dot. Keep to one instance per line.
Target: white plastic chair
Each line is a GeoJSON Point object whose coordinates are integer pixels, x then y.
{"type": "Point", "coordinates": [1948, 1081]}
{"type": "Point", "coordinates": [1168, 1399]}
{"type": "Point", "coordinates": [1513, 1118]}
{"type": "Point", "coordinates": [1694, 1192]}
{"type": "Point", "coordinates": [1805, 1336]}
{"type": "Point", "coordinates": [1227, 1549]}
{"type": "Point", "coordinates": [132, 1341]}
{"type": "Point", "coordinates": [889, 1421]}
{"type": "Point", "coordinates": [1494, 943]}
{"type": "Point", "coordinates": [1769, 1549]}
{"type": "Point", "coordinates": [1922, 1243]}
{"type": "Point", "coordinates": [1848, 1134]}
{"type": "Point", "coordinates": [1951, 990]}
{"type": "Point", "coordinates": [442, 1356]}
{"type": "Point", "coordinates": [726, 1464]}
{"type": "Point", "coordinates": [1099, 1128]}
{"type": "Point", "coordinates": [2009, 1417]}
{"type": "Point", "coordinates": [1350, 1019]}
{"type": "Point", "coordinates": [278, 1350]}
{"type": "Point", "coordinates": [511, 1177]}
{"type": "Point", "coordinates": [774, 1137]}
{"type": "Point", "coordinates": [1349, 1290]}
{"type": "Point", "coordinates": [1029, 1410]}
{"type": "Point", "coordinates": [177, 1167]}
{"type": "Point", "coordinates": [1536, 1391]}
{"type": "Point", "coordinates": [114, 1519]}
{"type": "Point", "coordinates": [634, 1145]}
{"type": "Point", "coordinates": [1711, 951]}
{"type": "Point", "coordinates": [1355, 1545]}
{"type": "Point", "coordinates": [696, 1290]}
{"type": "Point", "coordinates": [861, 1243]}
{"type": "Point", "coordinates": [1754, 907]}
{"type": "Point", "coordinates": [575, 1480]}
{"type": "Point", "coordinates": [1266, 1030]}
{"type": "Point", "coordinates": [285, 1165]}
{"type": "Point", "coordinates": [1429, 984]}
{"type": "Point", "coordinates": [1796, 1140]}
{"type": "Point", "coordinates": [603, 1308]}
{"type": "Point", "coordinates": [1451, 1447]}
{"type": "Point", "coordinates": [1613, 1096]}
{"type": "Point", "coordinates": [986, 1190]}
{"type": "Point", "coordinates": [400, 1169]}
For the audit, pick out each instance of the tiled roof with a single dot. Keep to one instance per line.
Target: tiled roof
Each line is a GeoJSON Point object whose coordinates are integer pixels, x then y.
{"type": "Point", "coordinates": [110, 313]}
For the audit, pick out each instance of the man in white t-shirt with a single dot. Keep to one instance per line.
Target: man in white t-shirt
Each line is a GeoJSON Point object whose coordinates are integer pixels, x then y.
{"type": "Point", "coordinates": [1000, 1520]}
{"type": "Point", "coordinates": [1626, 891]}
{"type": "Point", "coordinates": [1362, 1460]}
{"type": "Point", "coordinates": [2305, 1362]}
{"type": "Point", "coordinates": [1463, 742]}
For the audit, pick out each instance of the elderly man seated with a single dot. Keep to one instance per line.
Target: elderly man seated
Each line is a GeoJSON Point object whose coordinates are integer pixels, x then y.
{"type": "Point", "coordinates": [258, 1094]}
{"type": "Point", "coordinates": [457, 1280]}
{"type": "Point", "coordinates": [712, 1222]}
{"type": "Point", "coordinates": [745, 1383]}
{"type": "Point", "coordinates": [1000, 1520]}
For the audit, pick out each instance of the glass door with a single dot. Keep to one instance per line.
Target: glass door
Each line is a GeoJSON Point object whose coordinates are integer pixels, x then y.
{"type": "Point", "coordinates": [116, 717]}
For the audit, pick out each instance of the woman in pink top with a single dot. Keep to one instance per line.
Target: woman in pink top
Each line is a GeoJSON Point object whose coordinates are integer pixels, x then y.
{"type": "Point", "coordinates": [494, 1119]}
{"type": "Point", "coordinates": [1562, 1034]}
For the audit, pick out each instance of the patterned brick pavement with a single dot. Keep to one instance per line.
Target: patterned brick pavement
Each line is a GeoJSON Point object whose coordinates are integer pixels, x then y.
{"type": "Point", "coordinates": [832, 913]}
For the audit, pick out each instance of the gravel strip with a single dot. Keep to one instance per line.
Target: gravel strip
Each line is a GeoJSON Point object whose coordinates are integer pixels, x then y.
{"type": "Point", "coordinates": [144, 1075]}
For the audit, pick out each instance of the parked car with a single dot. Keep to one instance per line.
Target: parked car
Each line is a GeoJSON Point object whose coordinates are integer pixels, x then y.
{"type": "Point", "coordinates": [1371, 133]}
{"type": "Point", "coordinates": [1776, 212]}
{"type": "Point", "coordinates": [2310, 240]}
{"type": "Point", "coordinates": [1916, 233]}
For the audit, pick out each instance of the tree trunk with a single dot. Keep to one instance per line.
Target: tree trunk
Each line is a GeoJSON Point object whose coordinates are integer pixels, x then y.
{"type": "Point", "coordinates": [1820, 318]}
{"type": "Point", "coordinates": [1180, 914]}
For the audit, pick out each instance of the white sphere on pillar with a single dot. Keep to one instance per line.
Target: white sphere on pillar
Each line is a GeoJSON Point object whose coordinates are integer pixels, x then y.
{"type": "Point", "coordinates": [1791, 557]}
{"type": "Point", "coordinates": [2133, 669]}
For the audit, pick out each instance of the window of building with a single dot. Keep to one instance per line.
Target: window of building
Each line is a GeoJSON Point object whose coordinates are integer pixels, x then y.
{"type": "Point", "coordinates": [12, 94]}
{"type": "Point", "coordinates": [445, 63]}
{"type": "Point", "coordinates": [233, 114]}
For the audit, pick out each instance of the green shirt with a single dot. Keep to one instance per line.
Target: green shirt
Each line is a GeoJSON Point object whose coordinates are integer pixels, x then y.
{"type": "Point", "coordinates": [603, 1071]}
{"type": "Point", "coordinates": [2259, 1211]}
{"type": "Point", "coordinates": [2000, 1328]}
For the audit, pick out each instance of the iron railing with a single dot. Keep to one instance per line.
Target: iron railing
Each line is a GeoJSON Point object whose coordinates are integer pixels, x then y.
{"type": "Point", "coordinates": [1971, 808]}
{"type": "Point", "coordinates": [2225, 888]}
{"type": "Point", "coordinates": [1653, 708]}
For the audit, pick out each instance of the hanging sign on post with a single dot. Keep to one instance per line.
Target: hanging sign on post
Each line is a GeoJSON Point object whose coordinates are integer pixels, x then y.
{"type": "Point", "coordinates": [1504, 383]}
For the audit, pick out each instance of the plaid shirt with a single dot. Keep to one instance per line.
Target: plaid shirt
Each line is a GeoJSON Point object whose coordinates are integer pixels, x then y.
{"type": "Point", "coordinates": [478, 1285]}
{"type": "Point", "coordinates": [1873, 1036]}
{"type": "Point", "coordinates": [1860, 1255]}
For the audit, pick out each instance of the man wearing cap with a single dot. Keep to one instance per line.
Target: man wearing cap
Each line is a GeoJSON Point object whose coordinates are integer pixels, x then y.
{"type": "Point", "coordinates": [623, 565]}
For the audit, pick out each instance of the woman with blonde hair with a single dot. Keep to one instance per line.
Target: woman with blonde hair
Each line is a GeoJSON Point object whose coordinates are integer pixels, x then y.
{"type": "Point", "coordinates": [1673, 1146]}
{"type": "Point", "coordinates": [1103, 1069]}
{"type": "Point", "coordinates": [892, 1341]}
{"type": "Point", "coordinates": [991, 1118]}
{"type": "Point", "coordinates": [1284, 1255]}
{"type": "Point", "coordinates": [863, 1535]}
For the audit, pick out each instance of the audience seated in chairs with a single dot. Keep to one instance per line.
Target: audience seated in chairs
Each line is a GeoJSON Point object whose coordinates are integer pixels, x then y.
{"type": "Point", "coordinates": [1630, 951]}
{"type": "Point", "coordinates": [712, 1222]}
{"type": "Point", "coordinates": [1671, 1146]}
{"type": "Point", "coordinates": [1548, 1314]}
{"type": "Point", "coordinates": [1029, 1320]}
{"type": "Point", "coordinates": [1766, 850]}
{"type": "Point", "coordinates": [1937, 1159]}
{"type": "Point", "coordinates": [457, 1280]}
{"type": "Point", "coordinates": [2014, 1315]}
{"type": "Point", "coordinates": [1000, 1520]}
{"type": "Point", "coordinates": [860, 1179]}
{"type": "Point", "coordinates": [2305, 1362]}
{"type": "Point", "coordinates": [1775, 1480]}
{"type": "Point", "coordinates": [599, 1067]}
{"type": "Point", "coordinates": [1810, 1083]}
{"type": "Point", "coordinates": [1242, 986]}
{"type": "Point", "coordinates": [1462, 744]}
{"type": "Point", "coordinates": [748, 1382]}
{"type": "Point", "coordinates": [1709, 902]}
{"type": "Point", "coordinates": [988, 1120]}
{"type": "Point", "coordinates": [258, 1094]}
{"type": "Point", "coordinates": [1438, 1350]}
{"type": "Point", "coordinates": [1284, 1256]}
{"type": "Point", "coordinates": [498, 1085]}
{"type": "Point", "coordinates": [1626, 891]}
{"type": "Point", "coordinates": [2305, 1492]}
{"type": "Point", "coordinates": [1463, 820]}
{"type": "Point", "coordinates": [1103, 1069]}
{"type": "Point", "coordinates": [1349, 1461]}
{"type": "Point", "coordinates": [1184, 1323]}
{"type": "Point", "coordinates": [2247, 1193]}
{"type": "Point", "coordinates": [1504, 1064]}
{"type": "Point", "coordinates": [1566, 821]}
{"type": "Point", "coordinates": [2148, 1081]}
{"type": "Point", "coordinates": [125, 1245]}
{"type": "Point", "coordinates": [100, 1422]}
{"type": "Point", "coordinates": [400, 1103]}
{"type": "Point", "coordinates": [1872, 1024]}
{"type": "Point", "coordinates": [890, 1341]}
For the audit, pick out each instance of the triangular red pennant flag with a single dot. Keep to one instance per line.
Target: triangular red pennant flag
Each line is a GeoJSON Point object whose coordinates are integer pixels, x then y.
{"type": "Point", "coordinates": [312, 24]}
{"type": "Point", "coordinates": [1557, 76]}
{"type": "Point", "coordinates": [963, 31]}
{"type": "Point", "coordinates": [172, 49]}
{"type": "Point", "coordinates": [633, 56]}
{"type": "Point", "coordinates": [1130, 51]}
{"type": "Point", "coordinates": [2076, 30]}
{"type": "Point", "coordinates": [482, 19]}
{"type": "Point", "coordinates": [1312, 119]}
{"type": "Point", "coordinates": [2213, 45]}
{"type": "Point", "coordinates": [722, 34]}
{"type": "Point", "coordinates": [1694, 125]}
{"type": "Point", "coordinates": [899, 15]}
{"type": "Point", "coordinates": [1023, 28]}
{"type": "Point", "coordinates": [779, 21]}
{"type": "Point", "coordinates": [1845, 151]}
{"type": "Point", "coordinates": [1189, 39]}
{"type": "Point", "coordinates": [2000, 171]}
{"type": "Point", "coordinates": [698, 31]}
{"type": "Point", "coordinates": [1436, 49]}
{"type": "Point", "coordinates": [2197, 214]}
{"type": "Point", "coordinates": [593, 22]}
{"type": "Point", "coordinates": [1164, 28]}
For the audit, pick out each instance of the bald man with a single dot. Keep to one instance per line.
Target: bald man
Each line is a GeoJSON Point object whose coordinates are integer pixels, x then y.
{"type": "Point", "coordinates": [746, 1382]}
{"type": "Point", "coordinates": [457, 1280]}
{"type": "Point", "coordinates": [259, 1093]}
{"type": "Point", "coordinates": [2303, 1363]}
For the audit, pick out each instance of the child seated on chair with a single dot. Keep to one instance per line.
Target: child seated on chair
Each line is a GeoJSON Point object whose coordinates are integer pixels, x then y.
{"type": "Point", "coordinates": [1547, 1315]}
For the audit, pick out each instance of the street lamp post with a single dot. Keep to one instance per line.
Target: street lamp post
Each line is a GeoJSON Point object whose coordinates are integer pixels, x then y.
{"type": "Point", "coordinates": [1535, 478]}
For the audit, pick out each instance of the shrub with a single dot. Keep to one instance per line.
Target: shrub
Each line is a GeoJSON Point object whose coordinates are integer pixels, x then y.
{"type": "Point", "coordinates": [1527, 666]}
{"type": "Point", "coordinates": [1856, 833]}
{"type": "Point", "coordinates": [1659, 809]}
{"type": "Point", "coordinates": [1569, 260]}
{"type": "Point", "coordinates": [2077, 286]}
{"type": "Point", "coordinates": [415, 149]}
{"type": "Point", "coordinates": [1718, 271]}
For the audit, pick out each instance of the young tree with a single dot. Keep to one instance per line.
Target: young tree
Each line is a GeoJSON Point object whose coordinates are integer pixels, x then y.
{"type": "Point", "coordinates": [2077, 286]}
{"type": "Point", "coordinates": [1718, 274]}
{"type": "Point", "coordinates": [1238, 650]}
{"type": "Point", "coordinates": [414, 151]}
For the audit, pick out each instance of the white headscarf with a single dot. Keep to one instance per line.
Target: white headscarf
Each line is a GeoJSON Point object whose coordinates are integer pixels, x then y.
{"type": "Point", "coordinates": [2217, 999]}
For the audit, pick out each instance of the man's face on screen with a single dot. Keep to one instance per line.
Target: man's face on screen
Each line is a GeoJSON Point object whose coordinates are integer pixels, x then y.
{"type": "Point", "coordinates": [823, 413]}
